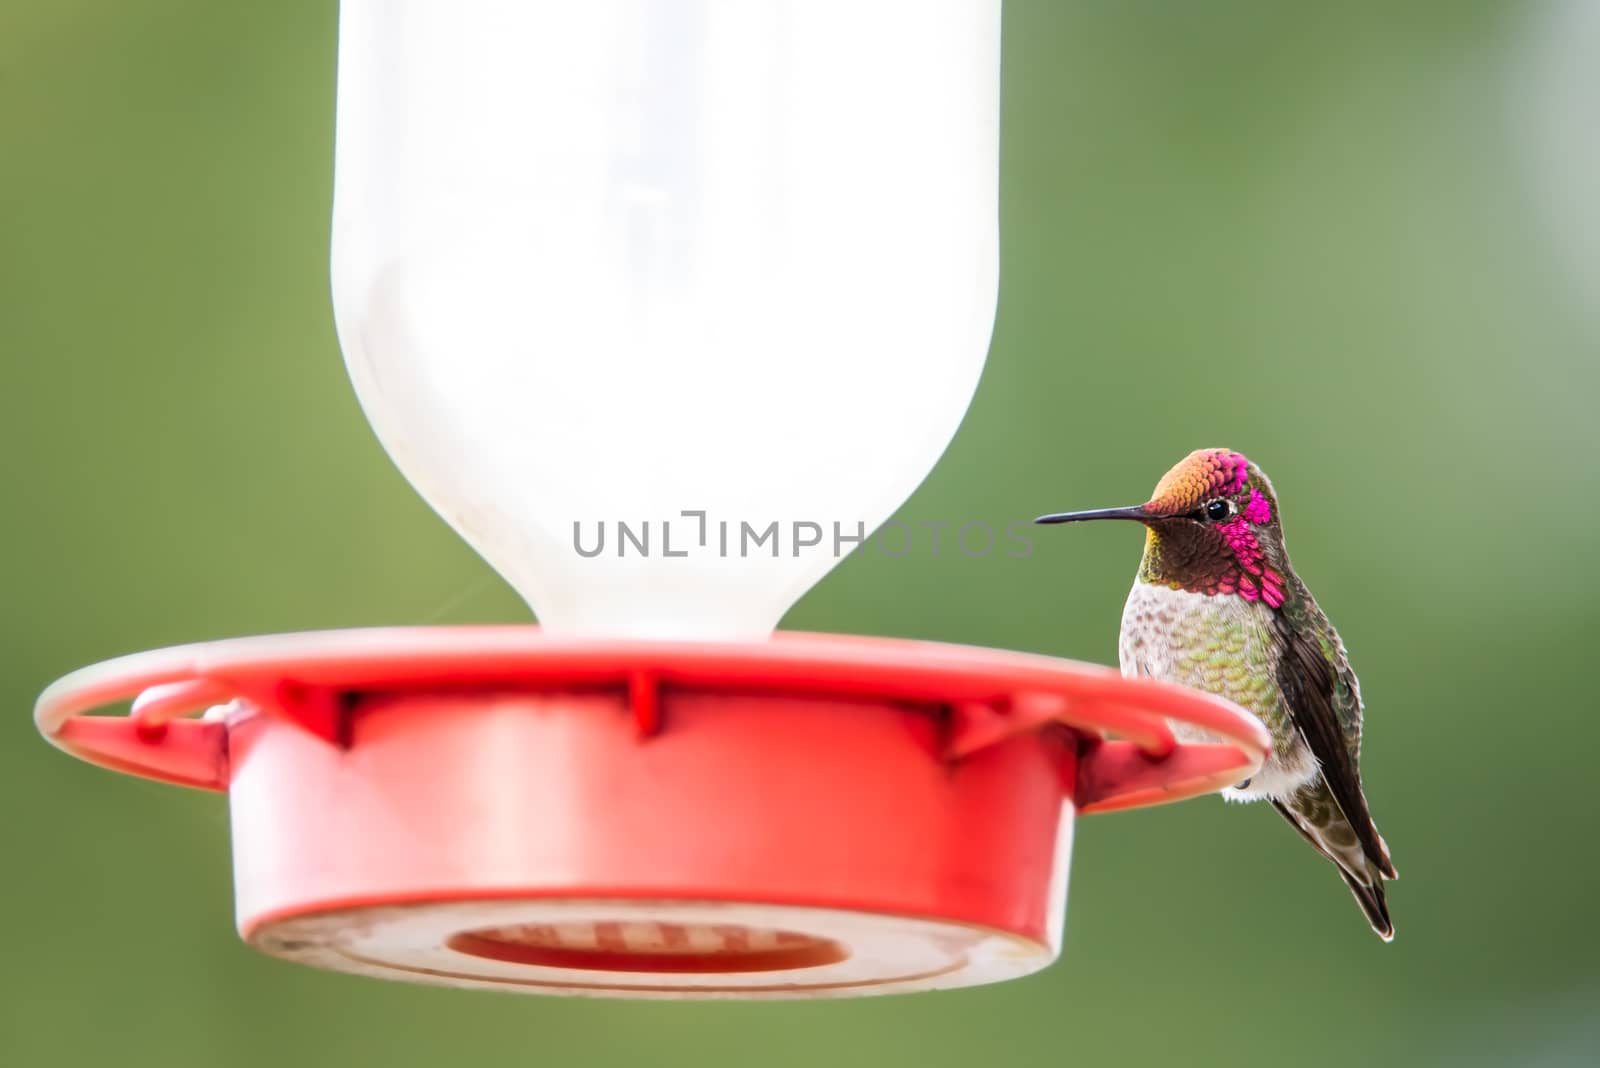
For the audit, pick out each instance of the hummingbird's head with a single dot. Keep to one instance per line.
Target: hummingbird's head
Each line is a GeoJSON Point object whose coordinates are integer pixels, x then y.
{"type": "Point", "coordinates": [1211, 527]}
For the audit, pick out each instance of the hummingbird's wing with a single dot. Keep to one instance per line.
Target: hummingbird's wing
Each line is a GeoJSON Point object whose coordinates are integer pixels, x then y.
{"type": "Point", "coordinates": [1326, 711]}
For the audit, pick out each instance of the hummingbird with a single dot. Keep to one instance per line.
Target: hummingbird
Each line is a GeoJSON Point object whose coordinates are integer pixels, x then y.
{"type": "Point", "coordinates": [1216, 606]}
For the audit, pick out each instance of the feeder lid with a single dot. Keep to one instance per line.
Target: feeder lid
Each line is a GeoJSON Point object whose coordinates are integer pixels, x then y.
{"type": "Point", "coordinates": [1134, 758]}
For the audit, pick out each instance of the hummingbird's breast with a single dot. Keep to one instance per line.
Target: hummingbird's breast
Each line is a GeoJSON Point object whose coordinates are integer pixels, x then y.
{"type": "Point", "coordinates": [1225, 645]}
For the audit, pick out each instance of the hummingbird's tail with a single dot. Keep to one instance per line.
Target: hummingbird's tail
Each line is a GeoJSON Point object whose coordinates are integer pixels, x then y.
{"type": "Point", "coordinates": [1370, 897]}
{"type": "Point", "coordinates": [1313, 812]}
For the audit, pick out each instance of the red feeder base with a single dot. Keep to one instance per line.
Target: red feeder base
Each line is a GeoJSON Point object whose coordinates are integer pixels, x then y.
{"type": "Point", "coordinates": [808, 816]}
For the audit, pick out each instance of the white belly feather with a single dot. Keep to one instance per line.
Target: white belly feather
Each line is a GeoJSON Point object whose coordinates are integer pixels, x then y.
{"type": "Point", "coordinates": [1222, 645]}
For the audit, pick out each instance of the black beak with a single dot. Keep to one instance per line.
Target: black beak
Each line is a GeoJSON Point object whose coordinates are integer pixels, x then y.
{"type": "Point", "coordinates": [1136, 513]}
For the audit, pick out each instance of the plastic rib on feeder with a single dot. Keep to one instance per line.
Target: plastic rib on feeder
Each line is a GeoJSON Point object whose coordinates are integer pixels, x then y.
{"type": "Point", "coordinates": [721, 268]}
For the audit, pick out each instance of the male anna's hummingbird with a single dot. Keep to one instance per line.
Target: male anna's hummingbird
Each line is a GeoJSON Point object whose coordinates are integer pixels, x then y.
{"type": "Point", "coordinates": [1217, 606]}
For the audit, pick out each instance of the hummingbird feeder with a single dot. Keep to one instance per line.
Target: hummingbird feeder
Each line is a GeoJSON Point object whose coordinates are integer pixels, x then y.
{"type": "Point", "coordinates": [594, 264]}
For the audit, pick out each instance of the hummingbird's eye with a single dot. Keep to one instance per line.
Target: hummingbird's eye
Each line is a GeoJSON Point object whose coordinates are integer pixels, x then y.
{"type": "Point", "coordinates": [1219, 509]}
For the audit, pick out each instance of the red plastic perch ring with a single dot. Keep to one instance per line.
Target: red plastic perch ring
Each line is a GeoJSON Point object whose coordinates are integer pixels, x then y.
{"type": "Point", "coordinates": [802, 817]}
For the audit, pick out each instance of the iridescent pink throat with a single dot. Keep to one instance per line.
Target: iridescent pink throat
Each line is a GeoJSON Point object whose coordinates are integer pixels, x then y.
{"type": "Point", "coordinates": [1253, 579]}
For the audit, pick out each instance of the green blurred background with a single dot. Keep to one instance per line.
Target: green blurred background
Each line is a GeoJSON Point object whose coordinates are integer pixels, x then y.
{"type": "Point", "coordinates": [1356, 241]}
